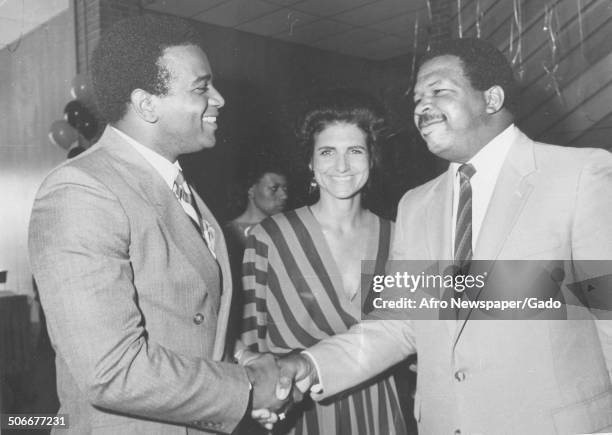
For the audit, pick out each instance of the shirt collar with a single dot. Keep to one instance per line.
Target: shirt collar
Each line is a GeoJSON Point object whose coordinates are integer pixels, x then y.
{"type": "Point", "coordinates": [491, 157]}
{"type": "Point", "coordinates": [163, 166]}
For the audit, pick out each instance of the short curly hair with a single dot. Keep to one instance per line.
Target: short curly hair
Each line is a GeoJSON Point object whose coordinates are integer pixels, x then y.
{"type": "Point", "coordinates": [127, 58]}
{"type": "Point", "coordinates": [262, 166]}
{"type": "Point", "coordinates": [484, 66]}
{"type": "Point", "coordinates": [344, 105]}
{"type": "Point", "coordinates": [257, 168]}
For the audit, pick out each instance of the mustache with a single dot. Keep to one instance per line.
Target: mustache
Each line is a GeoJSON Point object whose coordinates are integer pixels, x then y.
{"type": "Point", "coordinates": [428, 118]}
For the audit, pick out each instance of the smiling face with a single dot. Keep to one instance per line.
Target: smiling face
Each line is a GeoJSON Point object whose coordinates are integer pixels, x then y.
{"type": "Point", "coordinates": [450, 114]}
{"type": "Point", "coordinates": [269, 193]}
{"type": "Point", "coordinates": [340, 160]}
{"type": "Point", "coordinates": [187, 114]}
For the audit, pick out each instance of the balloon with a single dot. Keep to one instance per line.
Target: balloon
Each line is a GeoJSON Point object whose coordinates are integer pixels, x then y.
{"type": "Point", "coordinates": [81, 87]}
{"type": "Point", "coordinates": [73, 113]}
{"type": "Point", "coordinates": [88, 128]}
{"type": "Point", "coordinates": [81, 118]}
{"type": "Point", "coordinates": [62, 134]}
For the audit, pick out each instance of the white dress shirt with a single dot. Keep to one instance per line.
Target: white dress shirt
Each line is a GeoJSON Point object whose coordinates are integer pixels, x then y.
{"type": "Point", "coordinates": [487, 162]}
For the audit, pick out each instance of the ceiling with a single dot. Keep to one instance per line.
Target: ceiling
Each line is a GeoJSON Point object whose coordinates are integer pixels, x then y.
{"type": "Point", "coordinates": [371, 29]}
{"type": "Point", "coordinates": [18, 17]}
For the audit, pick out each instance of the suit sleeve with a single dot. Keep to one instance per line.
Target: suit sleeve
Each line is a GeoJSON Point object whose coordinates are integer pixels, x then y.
{"type": "Point", "coordinates": [255, 284]}
{"type": "Point", "coordinates": [592, 242]}
{"type": "Point", "coordinates": [365, 350]}
{"type": "Point", "coordinates": [79, 244]}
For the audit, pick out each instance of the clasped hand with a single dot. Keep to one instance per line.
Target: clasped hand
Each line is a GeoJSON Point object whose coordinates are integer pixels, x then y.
{"type": "Point", "coordinates": [277, 384]}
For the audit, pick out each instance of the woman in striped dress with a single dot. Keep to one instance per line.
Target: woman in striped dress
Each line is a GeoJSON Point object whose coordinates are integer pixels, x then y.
{"type": "Point", "coordinates": [302, 273]}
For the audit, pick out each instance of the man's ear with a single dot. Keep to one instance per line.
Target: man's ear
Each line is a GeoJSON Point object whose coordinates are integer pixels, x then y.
{"type": "Point", "coordinates": [495, 99]}
{"type": "Point", "coordinates": [143, 105]}
{"type": "Point", "coordinates": [250, 193]}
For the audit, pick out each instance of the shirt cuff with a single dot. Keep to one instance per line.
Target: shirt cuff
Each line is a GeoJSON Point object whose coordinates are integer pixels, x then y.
{"type": "Point", "coordinates": [318, 387]}
{"type": "Point", "coordinates": [238, 355]}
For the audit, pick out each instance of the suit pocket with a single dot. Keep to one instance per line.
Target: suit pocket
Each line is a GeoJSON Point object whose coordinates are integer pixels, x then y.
{"type": "Point", "coordinates": [589, 416]}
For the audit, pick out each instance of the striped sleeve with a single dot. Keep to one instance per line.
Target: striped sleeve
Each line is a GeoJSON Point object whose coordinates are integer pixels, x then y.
{"type": "Point", "coordinates": [254, 283]}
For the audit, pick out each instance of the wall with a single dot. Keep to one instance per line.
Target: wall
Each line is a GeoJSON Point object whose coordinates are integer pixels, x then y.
{"type": "Point", "coordinates": [580, 113]}
{"type": "Point", "coordinates": [94, 15]}
{"type": "Point", "coordinates": [34, 88]}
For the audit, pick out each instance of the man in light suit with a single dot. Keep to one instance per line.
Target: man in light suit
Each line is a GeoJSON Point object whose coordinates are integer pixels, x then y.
{"type": "Point", "coordinates": [529, 201]}
{"type": "Point", "coordinates": [131, 265]}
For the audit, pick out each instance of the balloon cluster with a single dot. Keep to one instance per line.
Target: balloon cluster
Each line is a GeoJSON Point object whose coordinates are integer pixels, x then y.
{"type": "Point", "coordinates": [78, 118]}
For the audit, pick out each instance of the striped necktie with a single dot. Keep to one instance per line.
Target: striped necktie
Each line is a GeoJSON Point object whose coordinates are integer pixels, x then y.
{"type": "Point", "coordinates": [463, 228]}
{"type": "Point", "coordinates": [183, 194]}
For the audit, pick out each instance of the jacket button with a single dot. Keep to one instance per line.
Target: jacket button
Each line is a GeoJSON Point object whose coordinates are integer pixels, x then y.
{"type": "Point", "coordinates": [198, 318]}
{"type": "Point", "coordinates": [460, 376]}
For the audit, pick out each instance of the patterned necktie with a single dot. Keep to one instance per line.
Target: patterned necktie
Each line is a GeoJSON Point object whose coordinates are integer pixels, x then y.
{"type": "Point", "coordinates": [183, 194]}
{"type": "Point", "coordinates": [463, 228]}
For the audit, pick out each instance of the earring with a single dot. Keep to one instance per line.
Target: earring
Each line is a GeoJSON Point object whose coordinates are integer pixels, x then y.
{"type": "Point", "coordinates": [313, 186]}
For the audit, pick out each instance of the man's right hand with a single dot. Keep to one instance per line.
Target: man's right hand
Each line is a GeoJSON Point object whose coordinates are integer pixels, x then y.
{"type": "Point", "coordinates": [296, 369]}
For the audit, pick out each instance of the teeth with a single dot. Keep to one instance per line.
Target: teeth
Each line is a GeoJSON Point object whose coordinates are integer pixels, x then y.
{"type": "Point", "coordinates": [211, 119]}
{"type": "Point", "coordinates": [426, 121]}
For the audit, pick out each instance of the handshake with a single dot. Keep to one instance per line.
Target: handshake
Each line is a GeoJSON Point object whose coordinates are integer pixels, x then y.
{"type": "Point", "coordinates": [277, 383]}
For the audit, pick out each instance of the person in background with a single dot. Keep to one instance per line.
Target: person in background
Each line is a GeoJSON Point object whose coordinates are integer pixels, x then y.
{"type": "Point", "coordinates": [506, 198]}
{"type": "Point", "coordinates": [131, 265]}
{"type": "Point", "coordinates": [266, 195]}
{"type": "Point", "coordinates": [302, 269]}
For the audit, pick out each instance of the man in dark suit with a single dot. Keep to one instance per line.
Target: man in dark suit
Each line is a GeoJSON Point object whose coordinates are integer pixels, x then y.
{"type": "Point", "coordinates": [131, 265]}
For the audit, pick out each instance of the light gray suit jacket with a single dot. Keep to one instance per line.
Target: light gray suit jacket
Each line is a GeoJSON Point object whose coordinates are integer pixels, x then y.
{"type": "Point", "coordinates": [500, 376]}
{"type": "Point", "coordinates": [137, 307]}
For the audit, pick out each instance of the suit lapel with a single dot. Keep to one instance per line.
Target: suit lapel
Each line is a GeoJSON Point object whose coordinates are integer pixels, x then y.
{"type": "Point", "coordinates": [511, 192]}
{"type": "Point", "coordinates": [439, 227]}
{"type": "Point", "coordinates": [226, 277]}
{"type": "Point", "coordinates": [439, 213]}
{"type": "Point", "coordinates": [150, 185]}
{"type": "Point", "coordinates": [509, 196]}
